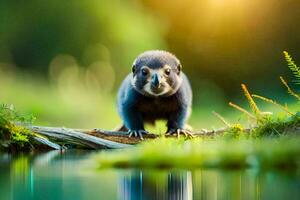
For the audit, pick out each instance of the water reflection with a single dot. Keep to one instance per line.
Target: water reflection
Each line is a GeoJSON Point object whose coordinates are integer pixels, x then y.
{"type": "Point", "coordinates": [210, 184]}
{"type": "Point", "coordinates": [72, 175]}
{"type": "Point", "coordinates": [156, 185]}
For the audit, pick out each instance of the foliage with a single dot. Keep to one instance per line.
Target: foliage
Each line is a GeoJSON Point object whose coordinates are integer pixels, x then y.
{"type": "Point", "coordinates": [289, 90]}
{"type": "Point", "coordinates": [264, 119]}
{"type": "Point", "coordinates": [236, 131]}
{"type": "Point", "coordinates": [13, 133]}
{"type": "Point", "coordinates": [274, 103]}
{"type": "Point", "coordinates": [296, 72]}
{"type": "Point", "coordinates": [293, 67]}
{"type": "Point", "coordinates": [278, 127]}
{"type": "Point", "coordinates": [252, 103]}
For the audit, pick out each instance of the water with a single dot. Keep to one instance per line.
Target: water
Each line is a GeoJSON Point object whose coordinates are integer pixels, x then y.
{"type": "Point", "coordinates": [74, 175]}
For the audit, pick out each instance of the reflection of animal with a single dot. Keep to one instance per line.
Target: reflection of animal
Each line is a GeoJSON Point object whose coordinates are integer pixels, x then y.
{"type": "Point", "coordinates": [156, 185]}
{"type": "Point", "coordinates": [156, 89]}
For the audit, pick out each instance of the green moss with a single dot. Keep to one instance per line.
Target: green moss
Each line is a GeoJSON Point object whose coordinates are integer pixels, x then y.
{"type": "Point", "coordinates": [278, 127]}
{"type": "Point", "coordinates": [236, 131]}
{"type": "Point", "coordinates": [13, 134]}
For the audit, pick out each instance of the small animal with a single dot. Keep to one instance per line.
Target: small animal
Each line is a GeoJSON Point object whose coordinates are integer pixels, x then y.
{"type": "Point", "coordinates": [155, 89]}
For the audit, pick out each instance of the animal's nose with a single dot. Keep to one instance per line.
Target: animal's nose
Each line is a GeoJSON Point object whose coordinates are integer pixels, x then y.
{"type": "Point", "coordinates": [155, 81]}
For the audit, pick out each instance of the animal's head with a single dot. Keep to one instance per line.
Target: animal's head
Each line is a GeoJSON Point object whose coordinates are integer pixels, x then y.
{"type": "Point", "coordinates": [156, 73]}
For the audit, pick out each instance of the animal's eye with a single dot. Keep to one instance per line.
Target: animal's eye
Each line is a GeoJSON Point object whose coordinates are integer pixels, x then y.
{"type": "Point", "coordinates": [167, 71]}
{"type": "Point", "coordinates": [144, 72]}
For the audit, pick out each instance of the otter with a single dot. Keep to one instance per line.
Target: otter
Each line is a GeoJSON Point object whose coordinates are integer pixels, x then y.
{"type": "Point", "coordinates": [155, 89]}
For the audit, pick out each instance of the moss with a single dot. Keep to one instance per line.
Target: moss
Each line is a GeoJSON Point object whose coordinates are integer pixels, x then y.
{"type": "Point", "coordinates": [236, 131]}
{"type": "Point", "coordinates": [13, 133]}
{"type": "Point", "coordinates": [278, 127]}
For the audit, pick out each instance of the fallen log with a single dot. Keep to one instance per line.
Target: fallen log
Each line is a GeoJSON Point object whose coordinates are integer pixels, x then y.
{"type": "Point", "coordinates": [65, 138]}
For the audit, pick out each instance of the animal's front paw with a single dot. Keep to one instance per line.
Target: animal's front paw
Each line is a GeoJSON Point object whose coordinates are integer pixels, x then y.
{"type": "Point", "coordinates": [178, 131]}
{"type": "Point", "coordinates": [137, 133]}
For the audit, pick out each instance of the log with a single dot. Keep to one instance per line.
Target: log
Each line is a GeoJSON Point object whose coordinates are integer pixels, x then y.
{"type": "Point", "coordinates": [47, 142]}
{"type": "Point", "coordinates": [65, 138]}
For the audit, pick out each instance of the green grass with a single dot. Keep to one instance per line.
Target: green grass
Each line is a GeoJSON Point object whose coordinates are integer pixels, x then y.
{"type": "Point", "coordinates": [278, 127]}
{"type": "Point", "coordinates": [172, 153]}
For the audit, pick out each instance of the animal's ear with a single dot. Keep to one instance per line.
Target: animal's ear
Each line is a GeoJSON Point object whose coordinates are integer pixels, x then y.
{"type": "Point", "coordinates": [179, 68]}
{"type": "Point", "coordinates": [133, 68]}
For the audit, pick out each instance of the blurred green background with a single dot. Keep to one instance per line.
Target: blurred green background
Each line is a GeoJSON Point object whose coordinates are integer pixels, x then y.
{"type": "Point", "coordinates": [63, 61]}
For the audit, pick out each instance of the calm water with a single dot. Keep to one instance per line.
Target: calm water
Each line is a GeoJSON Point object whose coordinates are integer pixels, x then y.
{"type": "Point", "coordinates": [73, 175]}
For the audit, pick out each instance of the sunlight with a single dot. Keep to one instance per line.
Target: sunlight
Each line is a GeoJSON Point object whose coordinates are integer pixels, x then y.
{"type": "Point", "coordinates": [225, 2]}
